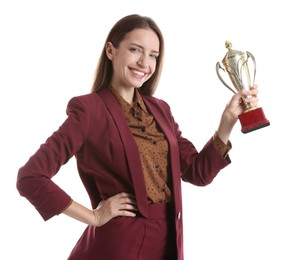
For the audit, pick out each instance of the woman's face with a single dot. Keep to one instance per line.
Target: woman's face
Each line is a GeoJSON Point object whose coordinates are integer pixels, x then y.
{"type": "Point", "coordinates": [134, 61]}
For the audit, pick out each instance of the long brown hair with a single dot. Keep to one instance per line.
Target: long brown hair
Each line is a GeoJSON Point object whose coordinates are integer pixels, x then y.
{"type": "Point", "coordinates": [125, 25]}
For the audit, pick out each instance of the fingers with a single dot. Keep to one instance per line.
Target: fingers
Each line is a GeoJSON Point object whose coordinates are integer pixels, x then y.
{"type": "Point", "coordinates": [240, 102]}
{"type": "Point", "coordinates": [124, 199]}
{"type": "Point", "coordinates": [254, 91]}
{"type": "Point", "coordinates": [122, 204]}
{"type": "Point", "coordinates": [250, 96]}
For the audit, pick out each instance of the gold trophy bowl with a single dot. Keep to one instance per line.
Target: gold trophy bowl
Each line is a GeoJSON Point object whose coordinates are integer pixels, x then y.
{"type": "Point", "coordinates": [240, 68]}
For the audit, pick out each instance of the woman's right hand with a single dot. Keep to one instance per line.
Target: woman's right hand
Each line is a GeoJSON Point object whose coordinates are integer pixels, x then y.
{"type": "Point", "coordinates": [121, 204]}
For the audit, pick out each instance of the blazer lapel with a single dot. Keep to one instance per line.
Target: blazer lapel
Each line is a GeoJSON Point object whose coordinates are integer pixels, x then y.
{"type": "Point", "coordinates": [131, 149]}
{"type": "Point", "coordinates": [161, 117]}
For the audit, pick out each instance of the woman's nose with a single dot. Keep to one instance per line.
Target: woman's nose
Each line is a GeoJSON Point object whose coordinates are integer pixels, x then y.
{"type": "Point", "coordinates": [143, 61]}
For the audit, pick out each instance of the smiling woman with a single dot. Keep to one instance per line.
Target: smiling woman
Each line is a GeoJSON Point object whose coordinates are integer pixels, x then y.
{"type": "Point", "coordinates": [131, 155]}
{"type": "Point", "coordinates": [134, 61]}
{"type": "Point", "coordinates": [140, 36]}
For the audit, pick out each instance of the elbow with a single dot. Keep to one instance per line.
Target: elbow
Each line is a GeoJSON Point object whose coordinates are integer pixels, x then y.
{"type": "Point", "coordinates": [20, 183]}
{"type": "Point", "coordinates": [198, 180]}
{"type": "Point", "coordinates": [25, 184]}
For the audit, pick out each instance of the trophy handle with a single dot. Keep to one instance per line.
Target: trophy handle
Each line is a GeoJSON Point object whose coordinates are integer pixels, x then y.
{"type": "Point", "coordinates": [218, 66]}
{"type": "Point", "coordinates": [249, 55]}
{"type": "Point", "coordinates": [237, 75]}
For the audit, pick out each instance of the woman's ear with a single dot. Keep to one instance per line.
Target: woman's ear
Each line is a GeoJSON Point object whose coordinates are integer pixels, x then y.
{"type": "Point", "coordinates": [109, 48]}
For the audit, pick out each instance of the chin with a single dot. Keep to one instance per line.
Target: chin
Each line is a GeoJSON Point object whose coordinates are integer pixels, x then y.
{"type": "Point", "coordinates": [138, 85]}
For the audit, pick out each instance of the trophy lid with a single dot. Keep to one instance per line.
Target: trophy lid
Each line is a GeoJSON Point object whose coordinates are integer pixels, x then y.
{"type": "Point", "coordinates": [228, 45]}
{"type": "Point", "coordinates": [238, 66]}
{"type": "Point", "coordinates": [231, 52]}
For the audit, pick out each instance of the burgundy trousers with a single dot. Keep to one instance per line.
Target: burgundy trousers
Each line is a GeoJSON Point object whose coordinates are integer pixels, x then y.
{"type": "Point", "coordinates": [126, 238]}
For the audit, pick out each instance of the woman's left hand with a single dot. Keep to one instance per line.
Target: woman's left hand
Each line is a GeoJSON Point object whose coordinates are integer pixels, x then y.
{"type": "Point", "coordinates": [234, 108]}
{"type": "Point", "coordinates": [237, 104]}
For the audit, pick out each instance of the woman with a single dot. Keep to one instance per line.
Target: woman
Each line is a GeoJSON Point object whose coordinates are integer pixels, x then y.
{"type": "Point", "coordinates": [130, 154]}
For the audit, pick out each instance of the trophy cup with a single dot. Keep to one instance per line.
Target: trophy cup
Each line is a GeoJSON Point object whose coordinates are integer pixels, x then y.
{"type": "Point", "coordinates": [241, 69]}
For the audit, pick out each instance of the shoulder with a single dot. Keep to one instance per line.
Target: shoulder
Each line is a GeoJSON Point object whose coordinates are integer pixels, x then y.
{"type": "Point", "coordinates": [94, 103]}
{"type": "Point", "coordinates": [86, 101]}
{"type": "Point", "coordinates": [86, 98]}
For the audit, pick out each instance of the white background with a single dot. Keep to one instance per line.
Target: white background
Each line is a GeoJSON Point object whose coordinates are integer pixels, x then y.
{"type": "Point", "coordinates": [48, 54]}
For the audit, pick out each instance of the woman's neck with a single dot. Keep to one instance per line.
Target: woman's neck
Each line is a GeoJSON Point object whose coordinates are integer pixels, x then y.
{"type": "Point", "coordinates": [126, 93]}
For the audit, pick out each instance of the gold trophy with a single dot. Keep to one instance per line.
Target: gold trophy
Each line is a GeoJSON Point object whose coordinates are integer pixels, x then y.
{"type": "Point", "coordinates": [241, 69]}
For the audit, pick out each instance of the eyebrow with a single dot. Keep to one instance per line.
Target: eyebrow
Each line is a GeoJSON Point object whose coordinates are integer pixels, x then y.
{"type": "Point", "coordinates": [136, 44]}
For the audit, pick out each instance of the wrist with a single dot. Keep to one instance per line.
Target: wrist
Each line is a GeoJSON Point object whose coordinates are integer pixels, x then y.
{"type": "Point", "coordinates": [225, 127]}
{"type": "Point", "coordinates": [93, 218]}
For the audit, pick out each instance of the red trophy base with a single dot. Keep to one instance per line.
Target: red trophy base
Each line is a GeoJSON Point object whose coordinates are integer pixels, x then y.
{"type": "Point", "coordinates": [253, 120]}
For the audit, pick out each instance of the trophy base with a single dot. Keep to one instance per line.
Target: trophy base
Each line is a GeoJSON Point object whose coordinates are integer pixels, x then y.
{"type": "Point", "coordinates": [253, 120]}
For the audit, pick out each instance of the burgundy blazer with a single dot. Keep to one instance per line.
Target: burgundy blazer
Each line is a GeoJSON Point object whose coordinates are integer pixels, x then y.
{"type": "Point", "coordinates": [108, 160]}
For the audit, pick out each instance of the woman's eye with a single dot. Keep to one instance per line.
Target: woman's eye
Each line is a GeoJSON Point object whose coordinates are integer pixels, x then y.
{"type": "Point", "coordinates": [155, 56]}
{"type": "Point", "coordinates": [135, 49]}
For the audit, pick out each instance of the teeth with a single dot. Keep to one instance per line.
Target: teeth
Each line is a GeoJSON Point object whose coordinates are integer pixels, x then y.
{"type": "Point", "coordinates": [139, 73]}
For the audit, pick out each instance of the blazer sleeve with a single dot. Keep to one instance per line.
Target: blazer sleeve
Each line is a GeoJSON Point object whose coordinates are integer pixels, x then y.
{"type": "Point", "coordinates": [34, 178]}
{"type": "Point", "coordinates": [197, 167]}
